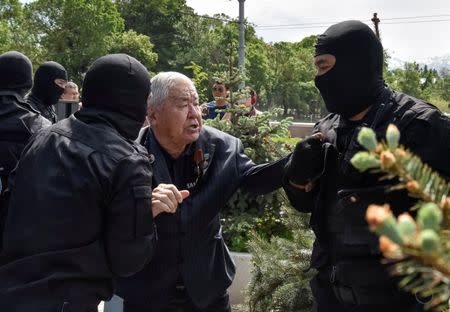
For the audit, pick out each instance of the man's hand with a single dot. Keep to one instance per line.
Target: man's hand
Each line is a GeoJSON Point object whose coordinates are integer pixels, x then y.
{"type": "Point", "coordinates": [306, 161]}
{"type": "Point", "coordinates": [166, 198]}
{"type": "Point", "coordinates": [204, 109]}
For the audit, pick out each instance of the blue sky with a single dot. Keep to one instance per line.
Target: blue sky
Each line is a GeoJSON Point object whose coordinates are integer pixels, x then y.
{"type": "Point", "coordinates": [411, 30]}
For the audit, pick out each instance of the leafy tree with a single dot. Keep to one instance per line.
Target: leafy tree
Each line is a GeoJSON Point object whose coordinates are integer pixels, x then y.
{"type": "Point", "coordinates": [443, 87]}
{"type": "Point", "coordinates": [199, 78]}
{"type": "Point", "coordinates": [213, 46]}
{"type": "Point", "coordinates": [280, 278]}
{"type": "Point", "coordinates": [212, 43]}
{"type": "Point", "coordinates": [15, 32]}
{"type": "Point", "coordinates": [10, 11]}
{"type": "Point", "coordinates": [134, 44]}
{"type": "Point", "coordinates": [156, 19]}
{"type": "Point", "coordinates": [417, 250]}
{"type": "Point", "coordinates": [407, 80]}
{"type": "Point", "coordinates": [263, 142]}
{"type": "Point", "coordinates": [293, 70]}
{"type": "Point", "coordinates": [74, 32]}
{"type": "Point", "coordinates": [257, 66]}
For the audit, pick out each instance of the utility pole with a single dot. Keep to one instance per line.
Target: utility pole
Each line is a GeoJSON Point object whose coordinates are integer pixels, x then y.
{"type": "Point", "coordinates": [241, 61]}
{"type": "Point", "coordinates": [376, 21]}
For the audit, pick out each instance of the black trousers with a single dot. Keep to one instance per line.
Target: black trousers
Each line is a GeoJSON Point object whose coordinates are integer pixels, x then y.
{"type": "Point", "coordinates": [182, 303]}
{"type": "Point", "coordinates": [325, 300]}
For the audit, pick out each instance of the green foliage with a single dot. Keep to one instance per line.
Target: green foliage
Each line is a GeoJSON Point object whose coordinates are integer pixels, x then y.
{"type": "Point", "coordinates": [156, 19]}
{"type": "Point", "coordinates": [280, 279]}
{"type": "Point", "coordinates": [421, 82]}
{"type": "Point", "coordinates": [136, 45]}
{"type": "Point", "coordinates": [16, 33]}
{"type": "Point", "coordinates": [443, 87]}
{"type": "Point", "coordinates": [293, 78]}
{"type": "Point", "coordinates": [74, 32]}
{"type": "Point", "coordinates": [366, 137]}
{"type": "Point", "coordinates": [409, 80]}
{"type": "Point", "coordinates": [263, 142]}
{"type": "Point", "coordinates": [200, 79]}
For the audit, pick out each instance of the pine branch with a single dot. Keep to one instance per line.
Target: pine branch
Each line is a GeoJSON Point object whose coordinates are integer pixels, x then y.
{"type": "Point", "coordinates": [419, 250]}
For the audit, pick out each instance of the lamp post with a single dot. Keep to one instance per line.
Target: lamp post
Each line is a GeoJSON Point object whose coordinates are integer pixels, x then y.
{"type": "Point", "coordinates": [241, 60]}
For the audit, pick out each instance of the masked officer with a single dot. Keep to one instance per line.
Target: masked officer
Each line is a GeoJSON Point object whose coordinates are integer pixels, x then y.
{"type": "Point", "coordinates": [50, 80]}
{"type": "Point", "coordinates": [18, 121]}
{"type": "Point", "coordinates": [321, 180]}
{"type": "Point", "coordinates": [80, 209]}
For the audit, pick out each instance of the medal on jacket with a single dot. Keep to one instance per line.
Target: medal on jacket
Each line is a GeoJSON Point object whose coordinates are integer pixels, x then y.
{"type": "Point", "coordinates": [199, 165]}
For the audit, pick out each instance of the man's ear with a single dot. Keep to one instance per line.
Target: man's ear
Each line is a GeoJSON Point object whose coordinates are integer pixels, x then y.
{"type": "Point", "coordinates": [151, 112]}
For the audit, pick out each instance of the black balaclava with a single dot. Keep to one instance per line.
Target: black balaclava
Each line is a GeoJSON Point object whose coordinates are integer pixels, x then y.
{"type": "Point", "coordinates": [356, 80]}
{"type": "Point", "coordinates": [117, 83]}
{"type": "Point", "coordinates": [44, 87]}
{"type": "Point", "coordinates": [16, 73]}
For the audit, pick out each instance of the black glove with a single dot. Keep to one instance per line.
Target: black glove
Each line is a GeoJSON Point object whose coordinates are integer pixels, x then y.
{"type": "Point", "coordinates": [306, 162]}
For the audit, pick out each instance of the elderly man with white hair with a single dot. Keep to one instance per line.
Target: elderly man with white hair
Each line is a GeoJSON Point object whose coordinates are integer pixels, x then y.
{"type": "Point", "coordinates": [191, 269]}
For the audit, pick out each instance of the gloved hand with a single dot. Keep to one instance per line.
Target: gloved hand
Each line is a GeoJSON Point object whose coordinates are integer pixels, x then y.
{"type": "Point", "coordinates": [306, 161]}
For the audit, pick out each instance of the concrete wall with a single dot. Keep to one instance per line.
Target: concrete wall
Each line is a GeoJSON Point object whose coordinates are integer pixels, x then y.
{"type": "Point", "coordinates": [301, 129]}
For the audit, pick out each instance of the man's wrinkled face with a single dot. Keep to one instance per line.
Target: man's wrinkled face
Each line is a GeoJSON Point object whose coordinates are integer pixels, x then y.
{"type": "Point", "coordinates": [70, 94]}
{"type": "Point", "coordinates": [324, 63]}
{"type": "Point", "coordinates": [179, 119]}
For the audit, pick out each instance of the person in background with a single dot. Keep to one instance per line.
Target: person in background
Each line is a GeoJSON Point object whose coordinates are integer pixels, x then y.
{"type": "Point", "coordinates": [321, 180]}
{"type": "Point", "coordinates": [248, 98]}
{"type": "Point", "coordinates": [50, 80]}
{"type": "Point", "coordinates": [250, 101]}
{"type": "Point", "coordinates": [220, 93]}
{"type": "Point", "coordinates": [192, 267]}
{"type": "Point", "coordinates": [81, 205]}
{"type": "Point", "coordinates": [71, 92]}
{"type": "Point", "coordinates": [18, 120]}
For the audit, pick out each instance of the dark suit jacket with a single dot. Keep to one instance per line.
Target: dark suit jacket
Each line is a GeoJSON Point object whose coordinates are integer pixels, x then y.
{"type": "Point", "coordinates": [196, 251]}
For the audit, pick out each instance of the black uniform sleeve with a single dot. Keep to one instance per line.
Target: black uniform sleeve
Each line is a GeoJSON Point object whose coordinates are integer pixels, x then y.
{"type": "Point", "coordinates": [130, 231]}
{"type": "Point", "coordinates": [259, 179]}
{"type": "Point", "coordinates": [428, 136]}
{"type": "Point", "coordinates": [299, 199]}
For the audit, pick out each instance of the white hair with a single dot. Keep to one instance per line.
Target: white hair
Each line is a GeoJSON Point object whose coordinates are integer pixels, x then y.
{"type": "Point", "coordinates": [161, 85]}
{"type": "Point", "coordinates": [71, 85]}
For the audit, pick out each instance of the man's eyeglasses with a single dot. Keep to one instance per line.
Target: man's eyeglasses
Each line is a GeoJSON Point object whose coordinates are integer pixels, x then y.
{"type": "Point", "coordinates": [218, 89]}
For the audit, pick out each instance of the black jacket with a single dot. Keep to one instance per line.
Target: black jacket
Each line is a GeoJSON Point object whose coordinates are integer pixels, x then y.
{"type": "Point", "coordinates": [424, 130]}
{"type": "Point", "coordinates": [79, 215]}
{"type": "Point", "coordinates": [18, 122]}
{"type": "Point", "coordinates": [46, 111]}
{"type": "Point", "coordinates": [190, 242]}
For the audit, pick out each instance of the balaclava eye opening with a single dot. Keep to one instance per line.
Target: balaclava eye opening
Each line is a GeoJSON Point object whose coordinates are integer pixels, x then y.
{"type": "Point", "coordinates": [356, 80]}
{"type": "Point", "coordinates": [45, 88]}
{"type": "Point", "coordinates": [15, 72]}
{"type": "Point", "coordinates": [117, 83]}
